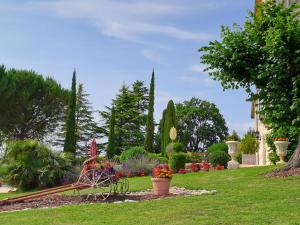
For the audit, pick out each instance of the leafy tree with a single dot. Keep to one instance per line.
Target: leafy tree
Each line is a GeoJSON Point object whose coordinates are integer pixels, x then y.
{"type": "Point", "coordinates": [31, 105]}
{"type": "Point", "coordinates": [150, 118]}
{"type": "Point", "coordinates": [168, 121]}
{"type": "Point", "coordinates": [111, 136]}
{"type": "Point", "coordinates": [161, 132]}
{"type": "Point", "coordinates": [199, 124]}
{"type": "Point", "coordinates": [233, 136]}
{"type": "Point", "coordinates": [70, 141]}
{"type": "Point", "coordinates": [130, 105]}
{"type": "Point", "coordinates": [264, 53]}
{"type": "Point", "coordinates": [86, 126]}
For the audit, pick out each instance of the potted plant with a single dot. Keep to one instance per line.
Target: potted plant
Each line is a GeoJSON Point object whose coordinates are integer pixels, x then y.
{"type": "Point", "coordinates": [281, 145]}
{"type": "Point", "coordinates": [233, 142]}
{"type": "Point", "coordinates": [162, 175]}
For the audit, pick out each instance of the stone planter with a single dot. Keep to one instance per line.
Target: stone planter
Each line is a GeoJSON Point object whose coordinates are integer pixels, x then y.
{"type": "Point", "coordinates": [161, 186]}
{"type": "Point", "coordinates": [281, 150]}
{"type": "Point", "coordinates": [249, 159]}
{"type": "Point", "coordinates": [233, 152]}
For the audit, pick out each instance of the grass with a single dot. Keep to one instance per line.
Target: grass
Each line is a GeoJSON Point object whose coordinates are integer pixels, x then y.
{"type": "Point", "coordinates": [244, 197]}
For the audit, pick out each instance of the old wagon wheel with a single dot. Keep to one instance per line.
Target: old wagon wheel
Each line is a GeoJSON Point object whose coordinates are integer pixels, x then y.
{"type": "Point", "coordinates": [100, 180]}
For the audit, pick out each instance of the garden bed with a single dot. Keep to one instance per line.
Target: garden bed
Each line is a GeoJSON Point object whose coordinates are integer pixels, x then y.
{"type": "Point", "coordinates": [60, 200]}
{"type": "Point", "coordinates": [279, 174]}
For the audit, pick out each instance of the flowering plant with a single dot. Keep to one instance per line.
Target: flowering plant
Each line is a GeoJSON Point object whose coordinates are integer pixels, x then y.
{"type": "Point", "coordinates": [219, 167]}
{"type": "Point", "coordinates": [195, 167]}
{"type": "Point", "coordinates": [206, 166]}
{"type": "Point", "coordinates": [280, 139]}
{"type": "Point", "coordinates": [182, 171]}
{"type": "Point", "coordinates": [162, 171]}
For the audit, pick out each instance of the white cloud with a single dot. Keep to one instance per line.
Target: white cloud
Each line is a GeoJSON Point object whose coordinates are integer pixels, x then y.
{"type": "Point", "coordinates": [127, 20]}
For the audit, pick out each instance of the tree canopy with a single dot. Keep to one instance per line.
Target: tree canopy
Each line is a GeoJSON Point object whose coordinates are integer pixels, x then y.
{"type": "Point", "coordinates": [31, 105]}
{"type": "Point", "coordinates": [265, 54]}
{"type": "Point", "coordinates": [199, 124]}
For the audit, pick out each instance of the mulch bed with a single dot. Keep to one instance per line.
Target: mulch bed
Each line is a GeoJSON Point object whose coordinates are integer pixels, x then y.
{"type": "Point", "coordinates": [280, 174]}
{"type": "Point", "coordinates": [61, 200]}
{"type": "Point", "coordinates": [53, 201]}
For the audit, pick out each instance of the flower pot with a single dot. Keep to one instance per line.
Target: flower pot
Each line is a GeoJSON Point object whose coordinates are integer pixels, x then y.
{"type": "Point", "coordinates": [281, 150]}
{"type": "Point", "coordinates": [233, 152]}
{"type": "Point", "coordinates": [161, 186]}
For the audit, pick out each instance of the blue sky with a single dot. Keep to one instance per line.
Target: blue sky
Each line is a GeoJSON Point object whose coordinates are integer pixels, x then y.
{"type": "Point", "coordinates": [114, 41]}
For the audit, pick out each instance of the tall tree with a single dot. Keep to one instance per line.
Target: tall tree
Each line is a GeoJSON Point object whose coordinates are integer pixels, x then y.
{"type": "Point", "coordinates": [264, 53]}
{"type": "Point", "coordinates": [150, 118]}
{"type": "Point", "coordinates": [70, 140]}
{"type": "Point", "coordinates": [162, 133]}
{"type": "Point", "coordinates": [168, 121]}
{"type": "Point", "coordinates": [86, 126]}
{"type": "Point", "coordinates": [111, 136]}
{"type": "Point", "coordinates": [199, 124]}
{"type": "Point", "coordinates": [31, 105]}
{"type": "Point", "coordinates": [130, 105]}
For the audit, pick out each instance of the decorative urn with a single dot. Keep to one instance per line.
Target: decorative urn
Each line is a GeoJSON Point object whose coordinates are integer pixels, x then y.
{"type": "Point", "coordinates": [233, 152]}
{"type": "Point", "coordinates": [281, 150]}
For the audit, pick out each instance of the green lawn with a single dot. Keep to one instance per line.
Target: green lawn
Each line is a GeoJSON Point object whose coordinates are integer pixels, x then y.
{"type": "Point", "coordinates": [244, 197]}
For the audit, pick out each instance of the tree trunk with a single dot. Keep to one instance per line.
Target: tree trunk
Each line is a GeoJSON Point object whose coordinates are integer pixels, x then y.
{"type": "Point", "coordinates": [294, 161]}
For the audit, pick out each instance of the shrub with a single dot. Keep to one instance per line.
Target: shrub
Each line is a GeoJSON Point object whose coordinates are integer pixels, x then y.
{"type": "Point", "coordinates": [194, 157]}
{"type": "Point", "coordinates": [218, 147]}
{"type": "Point", "coordinates": [177, 161]}
{"type": "Point", "coordinates": [249, 144]}
{"type": "Point", "coordinates": [273, 157]}
{"type": "Point", "coordinates": [219, 157]}
{"type": "Point", "coordinates": [132, 153]}
{"type": "Point", "coordinates": [175, 147]}
{"type": "Point", "coordinates": [159, 157]}
{"type": "Point", "coordinates": [136, 166]}
{"type": "Point", "coordinates": [33, 165]}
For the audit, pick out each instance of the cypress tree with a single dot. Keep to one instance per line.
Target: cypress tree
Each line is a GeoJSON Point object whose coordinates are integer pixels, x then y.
{"type": "Point", "coordinates": [150, 119]}
{"type": "Point", "coordinates": [162, 140]}
{"type": "Point", "coordinates": [168, 122]}
{"type": "Point", "coordinates": [111, 137]}
{"type": "Point", "coordinates": [70, 140]}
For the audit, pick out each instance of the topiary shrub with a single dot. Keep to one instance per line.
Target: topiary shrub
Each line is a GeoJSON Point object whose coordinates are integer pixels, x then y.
{"type": "Point", "coordinates": [218, 158]}
{"type": "Point", "coordinates": [177, 161]}
{"type": "Point", "coordinates": [249, 144]}
{"type": "Point", "coordinates": [159, 157]}
{"type": "Point", "coordinates": [175, 147]}
{"type": "Point", "coordinates": [218, 147]}
{"type": "Point", "coordinates": [33, 165]}
{"type": "Point", "coordinates": [132, 153]}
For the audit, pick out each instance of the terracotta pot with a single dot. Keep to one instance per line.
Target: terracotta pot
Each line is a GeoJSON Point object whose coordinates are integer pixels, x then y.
{"type": "Point", "coordinates": [161, 186]}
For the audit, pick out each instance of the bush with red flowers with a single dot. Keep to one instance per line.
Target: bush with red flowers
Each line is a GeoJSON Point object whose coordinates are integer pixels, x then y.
{"type": "Point", "coordinates": [280, 139]}
{"type": "Point", "coordinates": [162, 171]}
{"type": "Point", "coordinates": [206, 166]}
{"type": "Point", "coordinates": [195, 167]}
{"type": "Point", "coordinates": [182, 171]}
{"type": "Point", "coordinates": [219, 167]}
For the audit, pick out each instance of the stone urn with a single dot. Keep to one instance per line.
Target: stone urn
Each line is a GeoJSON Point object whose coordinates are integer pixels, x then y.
{"type": "Point", "coordinates": [281, 150]}
{"type": "Point", "coordinates": [161, 186]}
{"type": "Point", "coordinates": [233, 152]}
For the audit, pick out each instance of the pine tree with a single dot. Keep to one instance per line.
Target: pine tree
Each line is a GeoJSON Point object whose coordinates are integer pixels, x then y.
{"type": "Point", "coordinates": [70, 140]}
{"type": "Point", "coordinates": [111, 137]}
{"type": "Point", "coordinates": [86, 127]}
{"type": "Point", "coordinates": [150, 119]}
{"type": "Point", "coordinates": [130, 106]}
